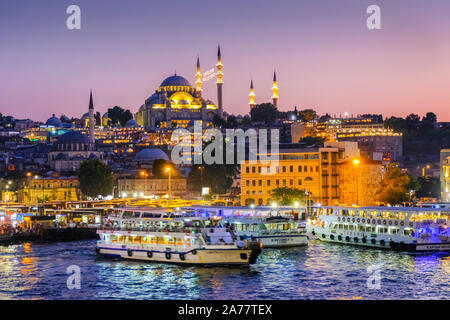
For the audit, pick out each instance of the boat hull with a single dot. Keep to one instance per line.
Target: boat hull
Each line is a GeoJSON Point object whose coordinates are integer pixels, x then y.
{"type": "Point", "coordinates": [379, 242]}
{"type": "Point", "coordinates": [280, 241]}
{"type": "Point", "coordinates": [191, 257]}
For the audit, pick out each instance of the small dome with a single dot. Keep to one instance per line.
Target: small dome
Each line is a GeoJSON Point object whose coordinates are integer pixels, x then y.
{"type": "Point", "coordinates": [75, 137]}
{"type": "Point", "coordinates": [106, 116]}
{"type": "Point", "coordinates": [150, 155]}
{"type": "Point", "coordinates": [175, 81]}
{"type": "Point", "coordinates": [184, 102]}
{"type": "Point", "coordinates": [65, 119]}
{"type": "Point", "coordinates": [53, 121]}
{"type": "Point", "coordinates": [131, 124]}
{"type": "Point", "coordinates": [85, 116]}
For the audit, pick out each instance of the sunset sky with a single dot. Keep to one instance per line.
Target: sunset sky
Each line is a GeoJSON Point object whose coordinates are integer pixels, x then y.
{"type": "Point", "coordinates": [325, 56]}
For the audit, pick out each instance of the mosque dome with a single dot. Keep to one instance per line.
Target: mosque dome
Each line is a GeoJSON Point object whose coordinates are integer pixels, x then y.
{"type": "Point", "coordinates": [85, 116]}
{"type": "Point", "coordinates": [131, 124]}
{"type": "Point", "coordinates": [106, 115]}
{"type": "Point", "coordinates": [53, 121]}
{"type": "Point", "coordinates": [150, 155]}
{"type": "Point", "coordinates": [175, 81]}
{"type": "Point", "coordinates": [73, 137]}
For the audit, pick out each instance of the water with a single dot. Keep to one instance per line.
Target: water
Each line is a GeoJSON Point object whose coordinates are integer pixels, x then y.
{"type": "Point", "coordinates": [319, 271]}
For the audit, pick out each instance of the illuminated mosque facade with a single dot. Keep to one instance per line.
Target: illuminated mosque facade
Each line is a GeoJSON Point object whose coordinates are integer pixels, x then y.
{"type": "Point", "coordinates": [177, 104]}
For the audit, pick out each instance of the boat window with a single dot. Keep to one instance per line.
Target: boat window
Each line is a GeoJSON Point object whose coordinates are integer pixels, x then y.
{"type": "Point", "coordinates": [351, 227]}
{"type": "Point", "coordinates": [345, 227]}
{"type": "Point", "coordinates": [361, 228]}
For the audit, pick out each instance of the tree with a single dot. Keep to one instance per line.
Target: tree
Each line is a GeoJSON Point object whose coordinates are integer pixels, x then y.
{"type": "Point", "coordinates": [288, 196]}
{"type": "Point", "coordinates": [119, 115]}
{"type": "Point", "coordinates": [393, 188]}
{"type": "Point", "coordinates": [217, 121]}
{"type": "Point", "coordinates": [218, 177]}
{"type": "Point", "coordinates": [308, 115]}
{"type": "Point", "coordinates": [428, 187]}
{"type": "Point", "coordinates": [159, 169]}
{"type": "Point", "coordinates": [264, 112]}
{"type": "Point", "coordinates": [96, 178]}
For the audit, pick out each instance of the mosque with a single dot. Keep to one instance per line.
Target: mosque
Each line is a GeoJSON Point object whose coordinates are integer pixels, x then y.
{"type": "Point", "coordinates": [177, 104]}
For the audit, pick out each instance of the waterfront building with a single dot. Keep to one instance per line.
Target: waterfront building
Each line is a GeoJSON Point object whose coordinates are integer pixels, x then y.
{"type": "Point", "coordinates": [37, 189]}
{"type": "Point", "coordinates": [139, 186]}
{"type": "Point", "coordinates": [359, 180]}
{"type": "Point", "coordinates": [445, 175]}
{"type": "Point", "coordinates": [313, 169]}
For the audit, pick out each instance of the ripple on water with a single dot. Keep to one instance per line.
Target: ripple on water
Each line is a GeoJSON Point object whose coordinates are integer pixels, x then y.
{"type": "Point", "coordinates": [318, 271]}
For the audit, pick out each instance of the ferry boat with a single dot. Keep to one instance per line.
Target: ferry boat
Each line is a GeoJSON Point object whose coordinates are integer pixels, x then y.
{"type": "Point", "coordinates": [159, 236]}
{"type": "Point", "coordinates": [396, 228]}
{"type": "Point", "coordinates": [272, 232]}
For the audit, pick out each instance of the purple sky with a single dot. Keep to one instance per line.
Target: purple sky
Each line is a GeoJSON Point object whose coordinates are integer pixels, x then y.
{"type": "Point", "coordinates": [324, 55]}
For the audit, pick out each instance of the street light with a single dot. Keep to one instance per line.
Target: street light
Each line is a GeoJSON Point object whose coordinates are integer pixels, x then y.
{"type": "Point", "coordinates": [144, 174]}
{"type": "Point", "coordinates": [356, 162]}
{"type": "Point", "coordinates": [169, 170]}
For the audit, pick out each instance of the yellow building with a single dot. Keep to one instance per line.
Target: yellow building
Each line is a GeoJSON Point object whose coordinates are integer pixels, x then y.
{"type": "Point", "coordinates": [313, 169]}
{"type": "Point", "coordinates": [359, 180]}
{"type": "Point", "coordinates": [50, 189]}
{"type": "Point", "coordinates": [138, 187]}
{"type": "Point", "coordinates": [445, 175]}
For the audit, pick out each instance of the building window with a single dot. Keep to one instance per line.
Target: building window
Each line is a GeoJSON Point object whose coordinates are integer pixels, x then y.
{"type": "Point", "coordinates": [268, 170]}
{"type": "Point", "coordinates": [253, 170]}
{"type": "Point", "coordinates": [260, 183]}
{"type": "Point", "coordinates": [317, 168]}
{"type": "Point", "coordinates": [277, 182]}
{"type": "Point", "coordinates": [284, 182]}
{"type": "Point", "coordinates": [247, 169]}
{"type": "Point", "coordinates": [259, 169]}
{"type": "Point", "coordinates": [254, 183]}
{"type": "Point", "coordinates": [248, 183]}
{"type": "Point", "coordinates": [299, 182]}
{"type": "Point", "coordinates": [305, 169]}
{"type": "Point", "coordinates": [268, 183]}
{"type": "Point", "coordinates": [291, 169]}
{"type": "Point", "coordinates": [284, 169]}
{"type": "Point", "coordinates": [299, 168]}
{"type": "Point", "coordinates": [291, 182]}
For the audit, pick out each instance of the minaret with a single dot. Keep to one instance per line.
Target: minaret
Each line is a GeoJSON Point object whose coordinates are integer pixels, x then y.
{"type": "Point", "coordinates": [198, 77]}
{"type": "Point", "coordinates": [219, 81]}
{"type": "Point", "coordinates": [91, 119]}
{"type": "Point", "coordinates": [275, 90]}
{"type": "Point", "coordinates": [252, 96]}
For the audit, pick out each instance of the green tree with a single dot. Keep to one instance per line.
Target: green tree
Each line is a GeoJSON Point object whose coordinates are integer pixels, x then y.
{"type": "Point", "coordinates": [308, 115]}
{"type": "Point", "coordinates": [96, 178]}
{"type": "Point", "coordinates": [218, 177]}
{"type": "Point", "coordinates": [264, 112]}
{"type": "Point", "coordinates": [393, 188]}
{"type": "Point", "coordinates": [428, 187]}
{"type": "Point", "coordinates": [288, 196]}
{"type": "Point", "coordinates": [119, 115]}
{"type": "Point", "coordinates": [159, 169]}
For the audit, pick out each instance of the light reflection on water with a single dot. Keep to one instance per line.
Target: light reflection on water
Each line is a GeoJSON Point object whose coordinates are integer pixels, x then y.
{"type": "Point", "coordinates": [319, 271]}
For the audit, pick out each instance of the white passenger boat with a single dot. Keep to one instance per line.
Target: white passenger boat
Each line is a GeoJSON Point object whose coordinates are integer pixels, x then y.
{"type": "Point", "coordinates": [397, 228]}
{"type": "Point", "coordinates": [158, 236]}
{"type": "Point", "coordinates": [272, 232]}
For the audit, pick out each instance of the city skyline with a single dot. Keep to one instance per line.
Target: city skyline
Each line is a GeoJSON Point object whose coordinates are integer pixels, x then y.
{"type": "Point", "coordinates": [324, 55]}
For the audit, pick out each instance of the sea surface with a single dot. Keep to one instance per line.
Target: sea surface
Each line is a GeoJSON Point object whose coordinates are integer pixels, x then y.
{"type": "Point", "coordinates": [318, 271]}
